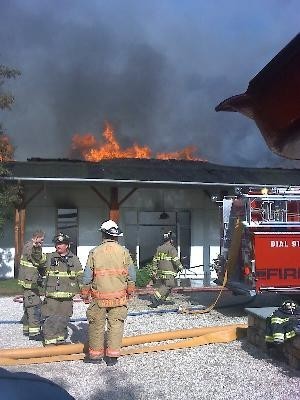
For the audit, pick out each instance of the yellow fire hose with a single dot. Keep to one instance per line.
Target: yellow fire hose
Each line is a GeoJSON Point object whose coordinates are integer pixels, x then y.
{"type": "Point", "coordinates": [193, 337]}
{"type": "Point", "coordinates": [229, 268]}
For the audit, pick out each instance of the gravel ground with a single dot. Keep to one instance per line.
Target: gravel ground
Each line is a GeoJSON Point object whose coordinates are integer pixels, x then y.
{"type": "Point", "coordinates": [236, 370]}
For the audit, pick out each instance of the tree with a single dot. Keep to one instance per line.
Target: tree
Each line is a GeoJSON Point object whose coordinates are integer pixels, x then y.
{"type": "Point", "coordinates": [9, 192]}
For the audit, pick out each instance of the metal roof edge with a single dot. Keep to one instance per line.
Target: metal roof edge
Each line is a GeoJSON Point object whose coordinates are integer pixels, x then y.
{"type": "Point", "coordinates": [133, 181]}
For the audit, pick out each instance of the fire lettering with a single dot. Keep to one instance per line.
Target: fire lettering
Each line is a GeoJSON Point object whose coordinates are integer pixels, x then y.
{"type": "Point", "coordinates": [295, 243]}
{"type": "Point", "coordinates": [271, 273]}
{"type": "Point", "coordinates": [290, 273]}
{"type": "Point", "coordinates": [279, 243]}
{"type": "Point", "coordinates": [280, 273]}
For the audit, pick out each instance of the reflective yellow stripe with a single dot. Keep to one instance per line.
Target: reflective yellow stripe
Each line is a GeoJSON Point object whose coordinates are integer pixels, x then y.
{"type": "Point", "coordinates": [34, 330]}
{"type": "Point", "coordinates": [55, 340]}
{"type": "Point", "coordinates": [26, 285]}
{"type": "Point", "coordinates": [290, 334]}
{"type": "Point", "coordinates": [166, 274]}
{"type": "Point", "coordinates": [278, 336]}
{"type": "Point", "coordinates": [61, 274]}
{"type": "Point", "coordinates": [26, 264]}
{"type": "Point", "coordinates": [61, 295]}
{"type": "Point", "coordinates": [269, 338]}
{"type": "Point", "coordinates": [277, 320]}
{"type": "Point", "coordinates": [162, 256]}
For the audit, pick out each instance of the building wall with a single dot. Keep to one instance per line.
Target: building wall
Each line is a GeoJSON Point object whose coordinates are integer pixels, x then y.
{"type": "Point", "coordinates": [92, 210]}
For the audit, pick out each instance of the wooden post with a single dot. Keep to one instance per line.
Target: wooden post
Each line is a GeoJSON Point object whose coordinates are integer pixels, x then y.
{"type": "Point", "coordinates": [114, 212]}
{"type": "Point", "coordinates": [114, 203]}
{"type": "Point", "coordinates": [17, 242]}
{"type": "Point", "coordinates": [22, 227]}
{"type": "Point", "coordinates": [20, 213]}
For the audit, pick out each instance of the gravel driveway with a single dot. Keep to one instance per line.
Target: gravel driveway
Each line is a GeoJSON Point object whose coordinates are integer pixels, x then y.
{"type": "Point", "coordinates": [236, 370]}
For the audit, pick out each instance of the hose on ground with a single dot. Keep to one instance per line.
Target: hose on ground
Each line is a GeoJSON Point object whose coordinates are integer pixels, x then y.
{"type": "Point", "coordinates": [193, 337]}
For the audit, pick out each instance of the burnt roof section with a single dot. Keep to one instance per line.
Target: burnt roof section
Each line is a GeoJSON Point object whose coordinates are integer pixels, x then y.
{"type": "Point", "coordinates": [143, 172]}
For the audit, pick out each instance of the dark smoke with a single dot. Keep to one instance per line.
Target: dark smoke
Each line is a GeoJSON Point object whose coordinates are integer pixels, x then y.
{"type": "Point", "coordinates": [155, 70]}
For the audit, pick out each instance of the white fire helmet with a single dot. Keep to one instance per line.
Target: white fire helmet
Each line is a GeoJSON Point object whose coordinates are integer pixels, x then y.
{"type": "Point", "coordinates": [289, 305]}
{"type": "Point", "coordinates": [110, 228]}
{"type": "Point", "coordinates": [169, 236]}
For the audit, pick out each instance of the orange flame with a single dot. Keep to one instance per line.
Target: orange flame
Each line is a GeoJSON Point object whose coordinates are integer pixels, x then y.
{"type": "Point", "coordinates": [90, 149]}
{"type": "Point", "coordinates": [6, 149]}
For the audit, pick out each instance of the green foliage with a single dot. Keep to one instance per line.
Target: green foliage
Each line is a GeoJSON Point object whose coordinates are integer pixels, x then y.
{"type": "Point", "coordinates": [6, 99]}
{"type": "Point", "coordinates": [9, 287]}
{"type": "Point", "coordinates": [9, 192]}
{"type": "Point", "coordinates": [9, 197]}
{"type": "Point", "coordinates": [144, 275]}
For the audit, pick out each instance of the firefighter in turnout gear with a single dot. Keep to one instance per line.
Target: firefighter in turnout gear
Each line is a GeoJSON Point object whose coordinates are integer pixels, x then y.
{"type": "Point", "coordinates": [63, 281]}
{"type": "Point", "coordinates": [109, 279]}
{"type": "Point", "coordinates": [30, 272]}
{"type": "Point", "coordinates": [283, 323]}
{"type": "Point", "coordinates": [166, 265]}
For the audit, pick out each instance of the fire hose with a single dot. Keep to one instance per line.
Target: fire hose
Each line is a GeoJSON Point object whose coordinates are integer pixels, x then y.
{"type": "Point", "coordinates": [229, 266]}
{"type": "Point", "coordinates": [71, 352]}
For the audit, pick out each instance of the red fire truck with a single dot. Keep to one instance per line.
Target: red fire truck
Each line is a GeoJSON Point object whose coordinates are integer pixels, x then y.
{"type": "Point", "coordinates": [260, 241]}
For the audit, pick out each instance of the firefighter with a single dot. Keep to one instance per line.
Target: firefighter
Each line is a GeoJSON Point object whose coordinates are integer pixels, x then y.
{"type": "Point", "coordinates": [166, 265]}
{"type": "Point", "coordinates": [63, 280]}
{"type": "Point", "coordinates": [30, 272]}
{"type": "Point", "coordinates": [109, 279]}
{"type": "Point", "coordinates": [281, 325]}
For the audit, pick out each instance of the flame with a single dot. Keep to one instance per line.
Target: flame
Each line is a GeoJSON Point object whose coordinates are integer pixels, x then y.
{"type": "Point", "coordinates": [187, 153]}
{"type": "Point", "coordinates": [6, 149]}
{"type": "Point", "coordinates": [90, 149]}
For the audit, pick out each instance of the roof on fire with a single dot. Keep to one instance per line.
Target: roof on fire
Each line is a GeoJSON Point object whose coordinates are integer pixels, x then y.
{"type": "Point", "coordinates": [142, 172]}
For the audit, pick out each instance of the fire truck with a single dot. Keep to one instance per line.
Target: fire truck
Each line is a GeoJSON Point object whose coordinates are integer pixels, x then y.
{"type": "Point", "coordinates": [260, 241]}
{"type": "Point", "coordinates": [260, 229]}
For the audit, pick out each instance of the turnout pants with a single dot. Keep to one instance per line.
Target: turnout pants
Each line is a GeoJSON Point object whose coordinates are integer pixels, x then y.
{"type": "Point", "coordinates": [99, 317]}
{"type": "Point", "coordinates": [163, 288]}
{"type": "Point", "coordinates": [32, 312]}
{"type": "Point", "coordinates": [56, 314]}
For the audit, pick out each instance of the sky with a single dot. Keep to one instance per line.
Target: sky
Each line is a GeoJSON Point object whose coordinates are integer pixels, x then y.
{"type": "Point", "coordinates": [155, 69]}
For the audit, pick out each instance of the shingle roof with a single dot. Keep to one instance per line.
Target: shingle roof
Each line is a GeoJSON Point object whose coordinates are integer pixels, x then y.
{"type": "Point", "coordinates": [150, 171]}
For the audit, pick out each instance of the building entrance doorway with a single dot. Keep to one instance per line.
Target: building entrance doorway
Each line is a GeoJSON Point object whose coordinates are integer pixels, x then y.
{"type": "Point", "coordinates": [145, 229]}
{"type": "Point", "coordinates": [67, 223]}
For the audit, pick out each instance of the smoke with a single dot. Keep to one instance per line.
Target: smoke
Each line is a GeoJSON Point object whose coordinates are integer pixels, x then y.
{"type": "Point", "coordinates": [155, 70]}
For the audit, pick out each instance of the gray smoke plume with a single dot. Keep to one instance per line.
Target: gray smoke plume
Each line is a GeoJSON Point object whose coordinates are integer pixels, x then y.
{"type": "Point", "coordinates": [154, 69]}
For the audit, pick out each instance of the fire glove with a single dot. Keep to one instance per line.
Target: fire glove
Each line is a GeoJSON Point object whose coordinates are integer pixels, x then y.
{"type": "Point", "coordinates": [41, 282]}
{"type": "Point", "coordinates": [130, 290]}
{"type": "Point", "coordinates": [85, 295]}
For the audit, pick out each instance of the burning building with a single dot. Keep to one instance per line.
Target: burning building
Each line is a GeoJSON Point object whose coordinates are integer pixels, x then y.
{"type": "Point", "coordinates": [146, 196]}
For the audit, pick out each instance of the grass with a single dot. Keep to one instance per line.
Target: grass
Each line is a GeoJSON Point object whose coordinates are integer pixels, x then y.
{"type": "Point", "coordinates": [9, 287]}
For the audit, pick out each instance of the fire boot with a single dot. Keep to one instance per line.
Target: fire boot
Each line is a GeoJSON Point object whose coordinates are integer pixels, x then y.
{"type": "Point", "coordinates": [111, 361]}
{"type": "Point", "coordinates": [169, 302]}
{"type": "Point", "coordinates": [37, 338]}
{"type": "Point", "coordinates": [155, 302]}
{"type": "Point", "coordinates": [93, 360]}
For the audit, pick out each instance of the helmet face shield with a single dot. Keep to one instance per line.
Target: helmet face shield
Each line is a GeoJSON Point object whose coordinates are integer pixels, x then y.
{"type": "Point", "coordinates": [111, 228]}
